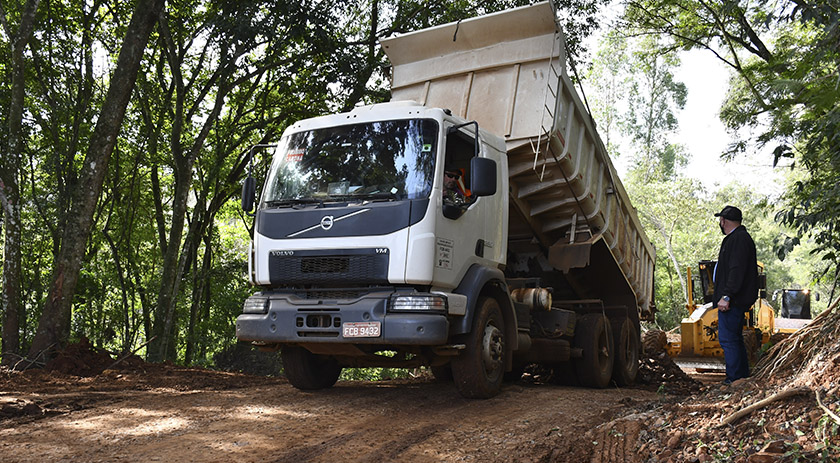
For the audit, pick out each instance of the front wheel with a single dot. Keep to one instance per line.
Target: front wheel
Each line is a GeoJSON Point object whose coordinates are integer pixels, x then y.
{"type": "Point", "coordinates": [478, 371]}
{"type": "Point", "coordinates": [308, 371]}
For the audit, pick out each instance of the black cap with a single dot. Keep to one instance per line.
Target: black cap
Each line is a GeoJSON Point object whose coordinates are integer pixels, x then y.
{"type": "Point", "coordinates": [730, 213]}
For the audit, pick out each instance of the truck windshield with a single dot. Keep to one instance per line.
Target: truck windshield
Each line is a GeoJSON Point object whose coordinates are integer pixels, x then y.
{"type": "Point", "coordinates": [388, 160]}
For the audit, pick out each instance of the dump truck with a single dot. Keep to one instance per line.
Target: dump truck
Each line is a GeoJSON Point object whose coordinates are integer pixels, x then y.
{"type": "Point", "coordinates": [363, 258]}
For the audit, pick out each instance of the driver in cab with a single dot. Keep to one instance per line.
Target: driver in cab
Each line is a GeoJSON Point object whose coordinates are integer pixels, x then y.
{"type": "Point", "coordinates": [455, 192]}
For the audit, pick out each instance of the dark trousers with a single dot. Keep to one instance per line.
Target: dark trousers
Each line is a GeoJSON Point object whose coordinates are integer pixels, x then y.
{"type": "Point", "coordinates": [730, 333]}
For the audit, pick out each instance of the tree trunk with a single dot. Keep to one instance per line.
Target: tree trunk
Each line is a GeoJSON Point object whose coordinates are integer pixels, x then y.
{"type": "Point", "coordinates": [54, 326]}
{"type": "Point", "coordinates": [176, 257]}
{"type": "Point", "coordinates": [358, 91]}
{"type": "Point", "coordinates": [10, 163]}
{"type": "Point", "coordinates": [200, 286]}
{"type": "Point", "coordinates": [666, 235]}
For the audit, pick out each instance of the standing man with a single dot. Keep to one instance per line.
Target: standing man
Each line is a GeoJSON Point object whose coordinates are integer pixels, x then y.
{"type": "Point", "coordinates": [736, 289]}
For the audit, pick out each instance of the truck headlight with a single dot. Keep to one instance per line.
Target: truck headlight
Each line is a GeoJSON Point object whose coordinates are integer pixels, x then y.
{"type": "Point", "coordinates": [418, 303]}
{"type": "Point", "coordinates": [256, 304]}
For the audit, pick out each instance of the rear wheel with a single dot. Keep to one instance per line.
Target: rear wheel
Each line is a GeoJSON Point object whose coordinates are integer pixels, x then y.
{"type": "Point", "coordinates": [626, 341]}
{"type": "Point", "coordinates": [594, 336]}
{"type": "Point", "coordinates": [479, 369]}
{"type": "Point", "coordinates": [308, 371]}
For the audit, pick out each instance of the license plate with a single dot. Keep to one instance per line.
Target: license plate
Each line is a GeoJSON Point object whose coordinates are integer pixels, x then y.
{"type": "Point", "coordinates": [361, 329]}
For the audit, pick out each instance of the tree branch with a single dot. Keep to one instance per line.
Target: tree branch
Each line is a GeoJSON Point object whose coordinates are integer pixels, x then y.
{"type": "Point", "coordinates": [672, 31]}
{"type": "Point", "coordinates": [728, 39]}
{"type": "Point", "coordinates": [762, 403]}
{"type": "Point", "coordinates": [826, 409]}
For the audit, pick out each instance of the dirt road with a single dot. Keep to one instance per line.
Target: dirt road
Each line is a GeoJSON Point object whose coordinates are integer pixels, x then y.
{"type": "Point", "coordinates": [166, 413]}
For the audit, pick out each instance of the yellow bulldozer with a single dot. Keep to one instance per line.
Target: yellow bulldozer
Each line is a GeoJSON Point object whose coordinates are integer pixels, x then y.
{"type": "Point", "coordinates": [697, 345]}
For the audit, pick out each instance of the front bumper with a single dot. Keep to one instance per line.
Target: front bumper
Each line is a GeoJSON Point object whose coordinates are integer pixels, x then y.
{"type": "Point", "coordinates": [299, 321]}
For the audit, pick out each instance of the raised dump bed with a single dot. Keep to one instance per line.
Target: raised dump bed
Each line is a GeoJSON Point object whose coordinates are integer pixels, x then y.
{"type": "Point", "coordinates": [508, 72]}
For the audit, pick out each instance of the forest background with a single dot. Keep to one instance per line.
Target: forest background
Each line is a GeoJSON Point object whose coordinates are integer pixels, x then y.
{"type": "Point", "coordinates": [127, 127]}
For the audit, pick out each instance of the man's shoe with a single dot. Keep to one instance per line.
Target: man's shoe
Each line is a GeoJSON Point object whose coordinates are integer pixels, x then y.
{"type": "Point", "coordinates": [726, 382]}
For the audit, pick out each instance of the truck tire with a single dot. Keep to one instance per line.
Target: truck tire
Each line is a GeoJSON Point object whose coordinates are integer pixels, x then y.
{"type": "Point", "coordinates": [594, 336]}
{"type": "Point", "coordinates": [654, 342]}
{"type": "Point", "coordinates": [626, 341]}
{"type": "Point", "coordinates": [479, 369]}
{"type": "Point", "coordinates": [307, 371]}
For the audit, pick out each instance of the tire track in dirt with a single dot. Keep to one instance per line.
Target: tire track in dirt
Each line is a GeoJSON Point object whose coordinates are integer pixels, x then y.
{"type": "Point", "coordinates": [396, 447]}
{"type": "Point", "coordinates": [616, 442]}
{"type": "Point", "coordinates": [309, 452]}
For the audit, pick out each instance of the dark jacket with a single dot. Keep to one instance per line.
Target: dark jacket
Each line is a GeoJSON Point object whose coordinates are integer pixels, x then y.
{"type": "Point", "coordinates": [736, 274]}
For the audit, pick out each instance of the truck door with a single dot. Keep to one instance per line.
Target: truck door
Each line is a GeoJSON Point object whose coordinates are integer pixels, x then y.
{"type": "Point", "coordinates": [460, 229]}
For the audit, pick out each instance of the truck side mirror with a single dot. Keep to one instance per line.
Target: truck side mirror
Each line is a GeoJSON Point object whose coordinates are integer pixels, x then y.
{"type": "Point", "coordinates": [483, 171]}
{"type": "Point", "coordinates": [249, 189]}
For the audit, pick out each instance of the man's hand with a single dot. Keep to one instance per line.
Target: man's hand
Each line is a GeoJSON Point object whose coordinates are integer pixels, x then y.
{"type": "Point", "coordinates": [723, 305]}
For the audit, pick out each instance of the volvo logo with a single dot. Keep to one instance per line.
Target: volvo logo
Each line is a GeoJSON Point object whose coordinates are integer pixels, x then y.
{"type": "Point", "coordinates": [327, 222]}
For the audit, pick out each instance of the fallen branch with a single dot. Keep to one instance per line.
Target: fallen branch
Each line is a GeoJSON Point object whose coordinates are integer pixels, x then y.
{"type": "Point", "coordinates": [826, 410]}
{"type": "Point", "coordinates": [33, 361]}
{"type": "Point", "coordinates": [762, 403]}
{"type": "Point", "coordinates": [111, 366]}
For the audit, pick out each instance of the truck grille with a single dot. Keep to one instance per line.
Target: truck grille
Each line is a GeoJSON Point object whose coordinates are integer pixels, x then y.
{"type": "Point", "coordinates": [357, 266]}
{"type": "Point", "coordinates": [325, 265]}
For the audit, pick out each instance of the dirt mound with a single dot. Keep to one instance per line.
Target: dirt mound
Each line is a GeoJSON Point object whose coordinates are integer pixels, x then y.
{"type": "Point", "coordinates": [246, 358]}
{"type": "Point", "coordinates": [788, 411]}
{"type": "Point", "coordinates": [80, 359]}
{"type": "Point", "coordinates": [659, 372]}
{"type": "Point", "coordinates": [82, 368]}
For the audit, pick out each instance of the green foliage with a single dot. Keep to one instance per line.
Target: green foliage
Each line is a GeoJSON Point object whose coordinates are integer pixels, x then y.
{"type": "Point", "coordinates": [373, 374]}
{"type": "Point", "coordinates": [608, 77]}
{"type": "Point", "coordinates": [785, 90]}
{"type": "Point", "coordinates": [654, 98]}
{"type": "Point", "coordinates": [376, 373]}
{"type": "Point", "coordinates": [635, 83]}
{"type": "Point", "coordinates": [678, 221]}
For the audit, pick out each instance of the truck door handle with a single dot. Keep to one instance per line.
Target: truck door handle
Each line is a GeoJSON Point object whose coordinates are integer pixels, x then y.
{"type": "Point", "coordinates": [479, 248]}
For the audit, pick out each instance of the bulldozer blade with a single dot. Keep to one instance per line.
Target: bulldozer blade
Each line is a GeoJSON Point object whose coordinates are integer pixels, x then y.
{"type": "Point", "coordinates": [790, 325]}
{"type": "Point", "coordinates": [701, 363]}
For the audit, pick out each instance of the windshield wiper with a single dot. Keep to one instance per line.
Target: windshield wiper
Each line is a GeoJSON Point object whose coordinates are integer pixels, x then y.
{"type": "Point", "coordinates": [294, 202]}
{"type": "Point", "coordinates": [377, 196]}
{"type": "Point", "coordinates": [383, 195]}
